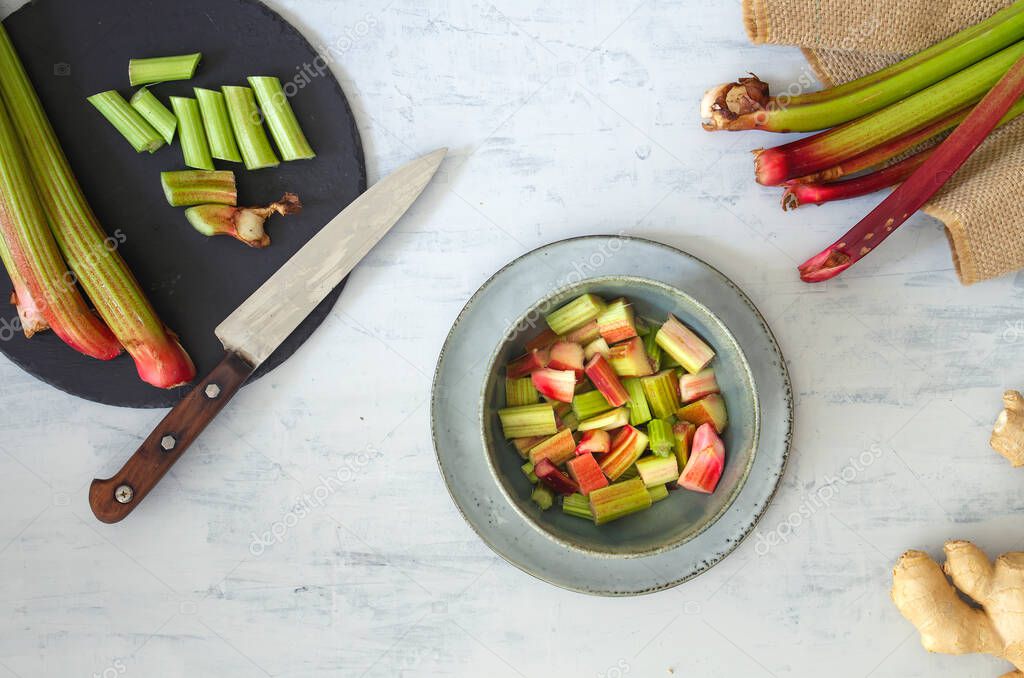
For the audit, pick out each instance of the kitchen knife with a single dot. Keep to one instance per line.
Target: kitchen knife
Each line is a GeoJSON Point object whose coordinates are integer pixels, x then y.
{"type": "Point", "coordinates": [256, 328]}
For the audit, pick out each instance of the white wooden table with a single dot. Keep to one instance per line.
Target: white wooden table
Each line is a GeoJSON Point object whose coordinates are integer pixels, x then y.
{"type": "Point", "coordinates": [563, 119]}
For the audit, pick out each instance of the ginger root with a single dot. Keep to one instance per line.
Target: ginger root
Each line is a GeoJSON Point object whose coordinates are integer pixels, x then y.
{"type": "Point", "coordinates": [947, 623]}
{"type": "Point", "coordinates": [1008, 431]}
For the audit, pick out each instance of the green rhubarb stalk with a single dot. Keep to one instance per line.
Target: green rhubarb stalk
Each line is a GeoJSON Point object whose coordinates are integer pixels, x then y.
{"type": "Point", "coordinates": [812, 154]}
{"type": "Point", "coordinates": [155, 113]}
{"type": "Point", "coordinates": [520, 392]}
{"type": "Point", "coordinates": [657, 471]}
{"type": "Point", "coordinates": [44, 291]}
{"type": "Point", "coordinates": [639, 411]}
{"type": "Point", "coordinates": [528, 421]}
{"type": "Point", "coordinates": [247, 124]}
{"type": "Point", "coordinates": [658, 492]}
{"type": "Point", "coordinates": [199, 187]}
{"type": "Point", "coordinates": [194, 146]}
{"type": "Point", "coordinates": [284, 126]}
{"type": "Point", "coordinates": [575, 314]}
{"type": "Point", "coordinates": [589, 404]}
{"type": "Point", "coordinates": [662, 391]}
{"type": "Point", "coordinates": [162, 69]}
{"type": "Point", "coordinates": [745, 104]}
{"type": "Point", "coordinates": [528, 471]}
{"type": "Point", "coordinates": [217, 125]}
{"type": "Point", "coordinates": [100, 270]}
{"type": "Point", "coordinates": [606, 421]}
{"type": "Point", "coordinates": [577, 505]}
{"type": "Point", "coordinates": [542, 497]}
{"type": "Point", "coordinates": [126, 120]}
{"type": "Point", "coordinates": [654, 351]}
{"type": "Point", "coordinates": [619, 500]}
{"type": "Point", "coordinates": [662, 441]}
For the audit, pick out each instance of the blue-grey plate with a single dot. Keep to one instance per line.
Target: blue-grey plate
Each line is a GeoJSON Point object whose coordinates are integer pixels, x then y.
{"type": "Point", "coordinates": [679, 537]}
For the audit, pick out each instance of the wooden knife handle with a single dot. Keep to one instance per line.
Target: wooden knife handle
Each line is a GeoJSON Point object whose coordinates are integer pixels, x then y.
{"type": "Point", "coordinates": [116, 497]}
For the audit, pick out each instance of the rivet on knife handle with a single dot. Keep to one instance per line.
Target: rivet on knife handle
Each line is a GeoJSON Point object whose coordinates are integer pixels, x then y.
{"type": "Point", "coordinates": [114, 498]}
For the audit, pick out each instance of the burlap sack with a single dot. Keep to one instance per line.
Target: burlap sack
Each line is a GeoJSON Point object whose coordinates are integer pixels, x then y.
{"type": "Point", "coordinates": [983, 205]}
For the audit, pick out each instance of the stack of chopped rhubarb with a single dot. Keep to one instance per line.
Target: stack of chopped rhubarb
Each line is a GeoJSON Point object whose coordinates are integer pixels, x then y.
{"type": "Point", "coordinates": [609, 411]}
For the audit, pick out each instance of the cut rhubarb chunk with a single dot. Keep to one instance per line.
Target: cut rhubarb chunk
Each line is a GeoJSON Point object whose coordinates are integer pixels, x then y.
{"type": "Point", "coordinates": [558, 385]}
{"type": "Point", "coordinates": [606, 381]}
{"type": "Point", "coordinates": [662, 440]}
{"type": "Point", "coordinates": [639, 411]}
{"type": "Point", "coordinates": [542, 341]}
{"type": "Point", "coordinates": [627, 446]}
{"type": "Point", "coordinates": [608, 420]}
{"type": "Point", "coordinates": [577, 505]}
{"type": "Point", "coordinates": [520, 392]}
{"type": "Point", "coordinates": [594, 442]}
{"type": "Point", "coordinates": [658, 492]}
{"type": "Point", "coordinates": [529, 420]}
{"type": "Point", "coordinates": [683, 432]}
{"type": "Point", "coordinates": [576, 314]}
{"type": "Point", "coordinates": [616, 322]}
{"type": "Point", "coordinates": [566, 356]}
{"type": "Point", "coordinates": [629, 359]}
{"type": "Point", "coordinates": [556, 449]}
{"type": "Point", "coordinates": [598, 345]}
{"type": "Point", "coordinates": [542, 497]}
{"type": "Point", "coordinates": [707, 460]}
{"type": "Point", "coordinates": [584, 335]}
{"type": "Point", "coordinates": [587, 473]}
{"type": "Point", "coordinates": [557, 481]}
{"type": "Point", "coordinates": [589, 404]}
{"type": "Point", "coordinates": [680, 342]}
{"type": "Point", "coordinates": [662, 391]}
{"type": "Point", "coordinates": [696, 386]}
{"type": "Point", "coordinates": [657, 470]}
{"type": "Point", "coordinates": [709, 409]}
{"type": "Point", "coordinates": [531, 362]}
{"type": "Point", "coordinates": [618, 500]}
{"type": "Point", "coordinates": [527, 469]}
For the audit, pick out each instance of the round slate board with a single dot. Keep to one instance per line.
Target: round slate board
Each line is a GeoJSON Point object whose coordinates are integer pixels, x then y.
{"type": "Point", "coordinates": [73, 49]}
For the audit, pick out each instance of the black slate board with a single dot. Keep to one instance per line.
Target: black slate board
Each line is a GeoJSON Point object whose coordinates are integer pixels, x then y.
{"type": "Point", "coordinates": [75, 48]}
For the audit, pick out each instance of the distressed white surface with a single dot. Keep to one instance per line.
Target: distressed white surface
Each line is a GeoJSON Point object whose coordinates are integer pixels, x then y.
{"type": "Point", "coordinates": [564, 118]}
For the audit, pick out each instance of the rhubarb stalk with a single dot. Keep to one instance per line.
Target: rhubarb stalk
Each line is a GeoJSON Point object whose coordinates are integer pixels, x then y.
{"type": "Point", "coordinates": [913, 193]}
{"type": "Point", "coordinates": [797, 194]}
{"type": "Point", "coordinates": [198, 187]}
{"type": "Point", "coordinates": [162, 69]}
{"type": "Point", "coordinates": [746, 105]}
{"type": "Point", "coordinates": [102, 272]}
{"type": "Point", "coordinates": [44, 292]}
{"type": "Point", "coordinates": [815, 153]}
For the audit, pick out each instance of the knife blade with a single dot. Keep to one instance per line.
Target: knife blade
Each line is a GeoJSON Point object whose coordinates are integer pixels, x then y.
{"type": "Point", "coordinates": [256, 328]}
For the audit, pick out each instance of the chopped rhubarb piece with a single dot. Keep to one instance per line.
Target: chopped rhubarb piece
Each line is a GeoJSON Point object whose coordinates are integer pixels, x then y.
{"type": "Point", "coordinates": [657, 470]}
{"type": "Point", "coordinates": [707, 460]}
{"type": "Point", "coordinates": [696, 386]}
{"type": "Point", "coordinates": [662, 440]}
{"type": "Point", "coordinates": [608, 420]}
{"type": "Point", "coordinates": [653, 350]}
{"type": "Point", "coordinates": [587, 473]}
{"type": "Point", "coordinates": [616, 322]}
{"type": "Point", "coordinates": [594, 442]}
{"type": "Point", "coordinates": [557, 481]}
{"type": "Point", "coordinates": [627, 446]}
{"type": "Point", "coordinates": [577, 505]}
{"type": "Point", "coordinates": [629, 359]}
{"type": "Point", "coordinates": [584, 335]}
{"type": "Point", "coordinates": [662, 391]}
{"type": "Point", "coordinates": [529, 420]}
{"type": "Point", "coordinates": [618, 500]}
{"type": "Point", "coordinates": [576, 314]}
{"type": "Point", "coordinates": [589, 404]}
{"type": "Point", "coordinates": [542, 497]}
{"type": "Point", "coordinates": [709, 409]}
{"type": "Point", "coordinates": [680, 342]}
{"type": "Point", "coordinates": [639, 411]}
{"type": "Point", "coordinates": [527, 469]}
{"type": "Point", "coordinates": [556, 449]}
{"type": "Point", "coordinates": [606, 381]}
{"type": "Point", "coordinates": [683, 432]}
{"type": "Point", "coordinates": [523, 445]}
{"type": "Point", "coordinates": [658, 492]}
{"type": "Point", "coordinates": [555, 384]}
{"type": "Point", "coordinates": [542, 341]}
{"type": "Point", "coordinates": [598, 345]}
{"type": "Point", "coordinates": [531, 362]}
{"type": "Point", "coordinates": [566, 356]}
{"type": "Point", "coordinates": [520, 392]}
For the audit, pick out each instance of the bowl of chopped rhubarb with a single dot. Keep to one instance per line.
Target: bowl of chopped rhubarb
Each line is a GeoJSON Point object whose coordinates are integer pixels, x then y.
{"type": "Point", "coordinates": [611, 415]}
{"type": "Point", "coordinates": [619, 416]}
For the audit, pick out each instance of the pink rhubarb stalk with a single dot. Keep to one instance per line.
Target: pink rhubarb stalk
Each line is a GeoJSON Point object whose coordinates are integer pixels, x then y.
{"type": "Point", "coordinates": [606, 381]}
{"type": "Point", "coordinates": [913, 193]}
{"type": "Point", "coordinates": [797, 194]}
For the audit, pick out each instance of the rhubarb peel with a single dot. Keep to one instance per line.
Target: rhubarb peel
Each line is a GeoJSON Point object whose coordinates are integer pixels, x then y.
{"type": "Point", "coordinates": [913, 193]}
